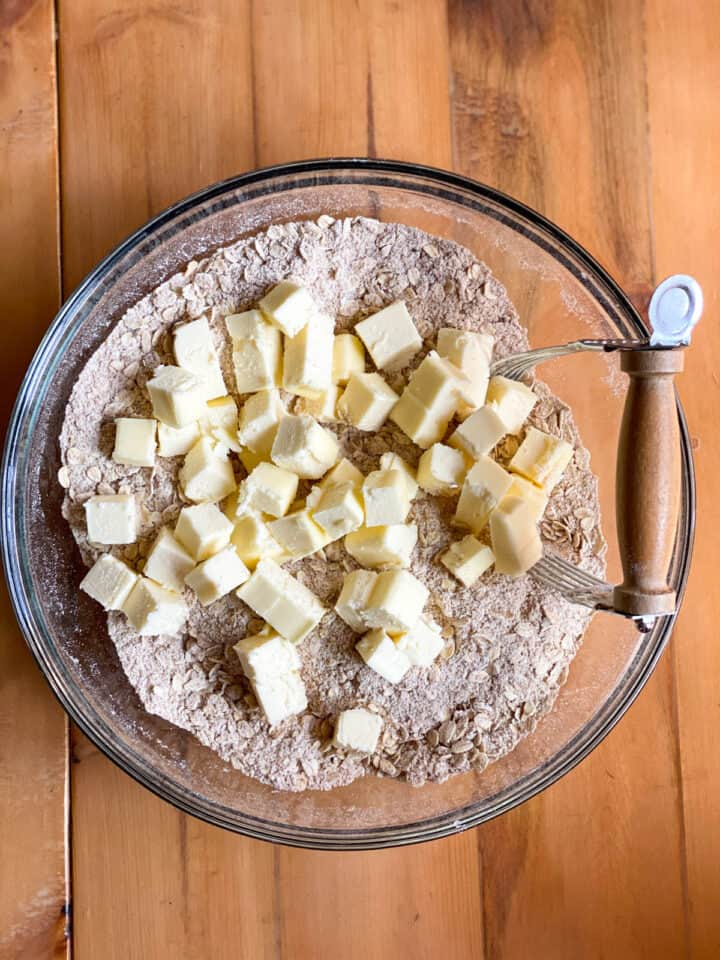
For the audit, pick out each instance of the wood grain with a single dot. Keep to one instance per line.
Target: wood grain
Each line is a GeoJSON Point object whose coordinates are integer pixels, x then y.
{"type": "Point", "coordinates": [33, 891]}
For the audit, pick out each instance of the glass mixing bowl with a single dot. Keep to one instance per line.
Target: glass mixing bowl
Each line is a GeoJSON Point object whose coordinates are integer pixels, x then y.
{"type": "Point", "coordinates": [561, 294]}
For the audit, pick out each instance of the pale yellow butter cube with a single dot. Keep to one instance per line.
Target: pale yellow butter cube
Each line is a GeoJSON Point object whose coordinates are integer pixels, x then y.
{"type": "Point", "coordinates": [382, 655]}
{"type": "Point", "coordinates": [383, 546]}
{"type": "Point", "coordinates": [468, 559]}
{"type": "Point", "coordinates": [342, 472]}
{"type": "Point", "coordinates": [485, 486]}
{"type": "Point", "coordinates": [393, 461]}
{"type": "Point", "coordinates": [134, 442]}
{"type": "Point", "coordinates": [535, 497]}
{"type": "Point", "coordinates": [323, 406]}
{"type": "Point", "coordinates": [357, 730]}
{"type": "Point", "coordinates": [281, 696]}
{"type": "Point", "coordinates": [217, 576]}
{"type": "Point", "coordinates": [512, 401]}
{"type": "Point", "coordinates": [441, 470]}
{"type": "Point", "coordinates": [266, 654]}
{"type": "Point", "coordinates": [176, 441]}
{"type": "Point", "coordinates": [281, 600]}
{"type": "Point", "coordinates": [515, 539]}
{"type": "Point", "coordinates": [298, 534]}
{"type": "Point", "coordinates": [177, 396]}
{"type": "Point", "coordinates": [154, 611]}
{"type": "Point", "coordinates": [479, 433]}
{"type": "Point", "coordinates": [354, 597]}
{"type": "Point", "coordinates": [390, 336]}
{"type": "Point", "coordinates": [307, 360]}
{"type": "Point", "coordinates": [542, 458]}
{"type": "Point", "coordinates": [289, 306]}
{"type": "Point", "coordinates": [339, 510]}
{"type": "Point", "coordinates": [438, 385]}
{"type": "Point", "coordinates": [254, 542]}
{"type": "Point", "coordinates": [472, 353]}
{"type": "Point", "coordinates": [202, 530]}
{"type": "Point", "coordinates": [396, 602]}
{"type": "Point", "coordinates": [112, 519]}
{"type": "Point", "coordinates": [220, 422]}
{"type": "Point", "coordinates": [348, 357]}
{"type": "Point", "coordinates": [207, 474]}
{"type": "Point", "coordinates": [195, 351]}
{"type": "Point", "coordinates": [257, 351]}
{"type": "Point", "coordinates": [268, 489]}
{"type": "Point", "coordinates": [422, 424]}
{"type": "Point", "coordinates": [421, 645]}
{"type": "Point", "coordinates": [259, 419]}
{"type": "Point", "coordinates": [109, 581]}
{"type": "Point", "coordinates": [386, 498]}
{"type": "Point", "coordinates": [303, 446]}
{"type": "Point", "coordinates": [168, 562]}
{"type": "Point", "coordinates": [367, 401]}
{"type": "Point", "coordinates": [249, 459]}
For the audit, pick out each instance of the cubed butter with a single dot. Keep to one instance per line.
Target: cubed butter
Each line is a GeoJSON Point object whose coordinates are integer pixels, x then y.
{"type": "Point", "coordinates": [298, 534]}
{"type": "Point", "coordinates": [383, 546]}
{"type": "Point", "coordinates": [535, 497]}
{"type": "Point", "coordinates": [396, 601]}
{"type": "Point", "coordinates": [472, 353]}
{"type": "Point", "coordinates": [249, 459]}
{"type": "Point", "coordinates": [112, 519]}
{"type": "Point", "coordinates": [323, 406]}
{"type": "Point", "coordinates": [541, 458]}
{"type": "Point", "coordinates": [385, 494]}
{"type": "Point", "coordinates": [358, 730]}
{"type": "Point", "coordinates": [202, 530]}
{"type": "Point", "coordinates": [259, 418]}
{"type": "Point", "coordinates": [468, 559]}
{"type": "Point", "coordinates": [177, 396]}
{"type": "Point", "coordinates": [176, 441]}
{"type": "Point", "coordinates": [153, 611]}
{"type": "Point", "coordinates": [254, 542]}
{"type": "Point", "coordinates": [484, 487]}
{"type": "Point", "coordinates": [195, 351]}
{"type": "Point", "coordinates": [217, 576]}
{"type": "Point", "coordinates": [367, 401]}
{"type": "Point", "coordinates": [168, 562]}
{"type": "Point", "coordinates": [390, 336]}
{"type": "Point", "coordinates": [515, 539]}
{"type": "Point", "coordinates": [439, 385]}
{"type": "Point", "coordinates": [307, 360]}
{"type": "Point", "coordinates": [207, 474]}
{"type": "Point", "coordinates": [348, 357]}
{"type": "Point", "coordinates": [135, 442]}
{"type": "Point", "coordinates": [422, 424]}
{"type": "Point", "coordinates": [281, 600]}
{"type": "Point", "coordinates": [281, 696]}
{"type": "Point", "coordinates": [109, 581]}
{"type": "Point", "coordinates": [220, 422]}
{"type": "Point", "coordinates": [342, 472]}
{"type": "Point", "coordinates": [267, 654]}
{"type": "Point", "coordinates": [268, 489]}
{"type": "Point", "coordinates": [393, 461]}
{"type": "Point", "coordinates": [354, 598]}
{"type": "Point", "coordinates": [383, 656]}
{"type": "Point", "coordinates": [479, 433]}
{"type": "Point", "coordinates": [257, 351]}
{"type": "Point", "coordinates": [289, 306]}
{"type": "Point", "coordinates": [422, 644]}
{"type": "Point", "coordinates": [339, 510]}
{"type": "Point", "coordinates": [303, 446]}
{"type": "Point", "coordinates": [441, 470]}
{"type": "Point", "coordinates": [512, 401]}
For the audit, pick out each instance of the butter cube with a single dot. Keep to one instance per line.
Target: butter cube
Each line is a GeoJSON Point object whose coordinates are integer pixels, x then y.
{"type": "Point", "coordinates": [207, 474]}
{"type": "Point", "coordinates": [259, 419]}
{"type": "Point", "coordinates": [109, 581]}
{"type": "Point", "coordinates": [168, 562]}
{"type": "Point", "coordinates": [422, 424]}
{"type": "Point", "coordinates": [515, 538]}
{"type": "Point", "coordinates": [254, 542]}
{"type": "Point", "coordinates": [485, 486]}
{"type": "Point", "coordinates": [468, 559]}
{"type": "Point", "coordinates": [534, 497]}
{"type": "Point", "coordinates": [390, 336]}
{"type": "Point", "coordinates": [542, 458]}
{"type": "Point", "coordinates": [281, 600]}
{"type": "Point", "coordinates": [472, 353]}
{"type": "Point", "coordinates": [441, 470]}
{"type": "Point", "coordinates": [339, 510]}
{"type": "Point", "coordinates": [220, 422]}
{"type": "Point", "coordinates": [267, 654]}
{"type": "Point", "coordinates": [268, 489]}
{"type": "Point", "coordinates": [367, 401]}
{"type": "Point", "coordinates": [134, 442]}
{"type": "Point", "coordinates": [153, 611]}
{"type": "Point", "coordinates": [348, 357]}
{"type": "Point", "coordinates": [280, 696]}
{"type": "Point", "coordinates": [307, 360]}
{"type": "Point", "coordinates": [512, 401]}
{"type": "Point", "coordinates": [422, 644]}
{"type": "Point", "coordinates": [385, 493]}
{"type": "Point", "coordinates": [176, 441]}
{"type": "Point", "coordinates": [396, 602]}
{"type": "Point", "coordinates": [479, 433]}
{"type": "Point", "coordinates": [323, 406]}
{"type": "Point", "coordinates": [439, 385]}
{"type": "Point", "coordinates": [358, 730]}
{"type": "Point", "coordinates": [298, 534]}
{"type": "Point", "coordinates": [342, 472]}
{"type": "Point", "coordinates": [354, 597]}
{"type": "Point", "coordinates": [202, 530]}
{"type": "Point", "coordinates": [217, 576]}
{"type": "Point", "coordinates": [303, 446]}
{"type": "Point", "coordinates": [383, 656]}
{"type": "Point", "coordinates": [383, 546]}
{"type": "Point", "coordinates": [111, 519]}
{"type": "Point", "coordinates": [257, 351]}
{"type": "Point", "coordinates": [249, 459]}
{"type": "Point", "coordinates": [289, 306]}
{"type": "Point", "coordinates": [393, 461]}
{"type": "Point", "coordinates": [195, 351]}
{"type": "Point", "coordinates": [177, 396]}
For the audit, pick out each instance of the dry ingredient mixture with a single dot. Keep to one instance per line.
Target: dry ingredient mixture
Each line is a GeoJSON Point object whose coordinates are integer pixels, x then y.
{"type": "Point", "coordinates": [508, 643]}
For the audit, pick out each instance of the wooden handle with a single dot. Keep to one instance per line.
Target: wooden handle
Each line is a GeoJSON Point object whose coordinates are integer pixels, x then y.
{"type": "Point", "coordinates": [648, 481]}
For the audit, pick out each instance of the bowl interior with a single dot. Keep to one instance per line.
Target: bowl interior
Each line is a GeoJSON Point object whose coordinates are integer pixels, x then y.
{"type": "Point", "coordinates": [560, 295]}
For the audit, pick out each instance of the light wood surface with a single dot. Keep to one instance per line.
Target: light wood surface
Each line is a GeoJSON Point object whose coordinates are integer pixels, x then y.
{"type": "Point", "coordinates": [603, 116]}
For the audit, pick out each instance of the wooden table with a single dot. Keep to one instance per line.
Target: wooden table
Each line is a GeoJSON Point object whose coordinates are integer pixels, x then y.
{"type": "Point", "coordinates": [603, 115]}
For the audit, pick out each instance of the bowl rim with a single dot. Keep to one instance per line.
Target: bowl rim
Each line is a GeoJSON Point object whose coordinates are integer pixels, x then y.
{"type": "Point", "coordinates": [440, 825]}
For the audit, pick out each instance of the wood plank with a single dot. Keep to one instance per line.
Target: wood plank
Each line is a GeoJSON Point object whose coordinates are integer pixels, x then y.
{"type": "Point", "coordinates": [545, 96]}
{"type": "Point", "coordinates": [33, 748]}
{"type": "Point", "coordinates": [683, 80]}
